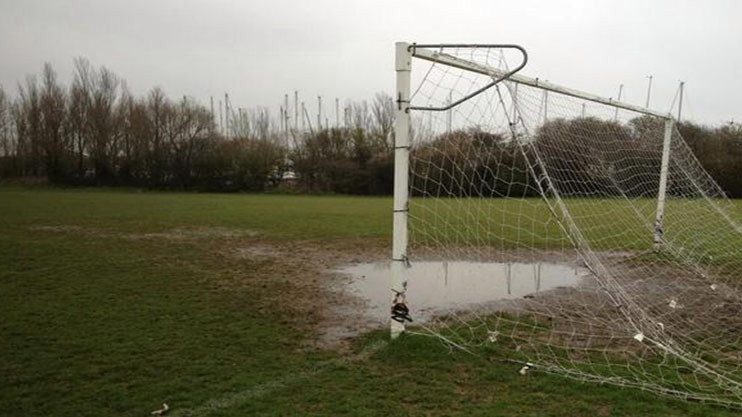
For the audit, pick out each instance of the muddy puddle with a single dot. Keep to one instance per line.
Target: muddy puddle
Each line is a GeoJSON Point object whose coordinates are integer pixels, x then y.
{"type": "Point", "coordinates": [435, 287]}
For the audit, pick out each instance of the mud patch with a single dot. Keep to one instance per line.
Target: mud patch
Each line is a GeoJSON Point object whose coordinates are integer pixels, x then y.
{"type": "Point", "coordinates": [197, 233]}
{"type": "Point", "coordinates": [259, 252]}
{"type": "Point", "coordinates": [57, 229]}
{"type": "Point", "coordinates": [177, 234]}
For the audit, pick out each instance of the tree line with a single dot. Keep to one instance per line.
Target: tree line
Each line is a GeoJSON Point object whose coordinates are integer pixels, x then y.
{"type": "Point", "coordinates": [96, 132]}
{"type": "Point", "coordinates": [584, 157]}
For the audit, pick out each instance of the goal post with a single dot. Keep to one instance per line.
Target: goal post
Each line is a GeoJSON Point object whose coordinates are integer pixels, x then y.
{"type": "Point", "coordinates": [404, 54]}
{"type": "Point", "coordinates": [662, 193]}
{"type": "Point", "coordinates": [539, 209]}
{"type": "Point", "coordinates": [403, 63]}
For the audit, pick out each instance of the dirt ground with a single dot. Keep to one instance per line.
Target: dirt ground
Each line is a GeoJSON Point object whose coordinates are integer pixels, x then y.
{"type": "Point", "coordinates": [301, 279]}
{"type": "Point", "coordinates": [297, 277]}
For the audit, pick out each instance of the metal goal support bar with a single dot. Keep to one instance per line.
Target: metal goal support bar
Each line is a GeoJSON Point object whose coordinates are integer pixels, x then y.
{"type": "Point", "coordinates": [456, 62]}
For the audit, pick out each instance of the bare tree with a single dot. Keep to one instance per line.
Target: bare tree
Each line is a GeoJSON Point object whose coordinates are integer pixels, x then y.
{"type": "Point", "coordinates": [157, 110]}
{"type": "Point", "coordinates": [27, 118]}
{"type": "Point", "coordinates": [103, 123]}
{"type": "Point", "coordinates": [360, 116]}
{"type": "Point", "coordinates": [382, 109]}
{"type": "Point", "coordinates": [188, 130]}
{"type": "Point", "coordinates": [80, 94]}
{"type": "Point", "coordinates": [4, 125]}
{"type": "Point", "coordinates": [52, 108]}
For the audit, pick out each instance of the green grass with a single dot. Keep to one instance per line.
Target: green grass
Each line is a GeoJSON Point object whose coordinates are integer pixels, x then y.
{"type": "Point", "coordinates": [94, 321]}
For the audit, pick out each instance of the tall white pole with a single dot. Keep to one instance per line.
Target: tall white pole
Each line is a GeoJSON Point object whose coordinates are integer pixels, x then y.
{"type": "Point", "coordinates": [649, 91]}
{"type": "Point", "coordinates": [303, 117]}
{"type": "Point", "coordinates": [680, 102]}
{"type": "Point", "coordinates": [221, 118]}
{"type": "Point", "coordinates": [226, 114]}
{"type": "Point", "coordinates": [620, 92]}
{"type": "Point", "coordinates": [659, 220]}
{"type": "Point", "coordinates": [296, 110]}
{"type": "Point", "coordinates": [211, 101]}
{"type": "Point", "coordinates": [287, 121]}
{"type": "Point", "coordinates": [282, 120]}
{"type": "Point", "coordinates": [337, 113]}
{"type": "Point", "coordinates": [403, 67]}
{"type": "Point", "coordinates": [319, 113]}
{"type": "Point", "coordinates": [286, 107]}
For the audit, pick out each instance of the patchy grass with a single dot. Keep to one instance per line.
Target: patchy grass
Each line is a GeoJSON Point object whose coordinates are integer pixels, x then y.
{"type": "Point", "coordinates": [113, 302]}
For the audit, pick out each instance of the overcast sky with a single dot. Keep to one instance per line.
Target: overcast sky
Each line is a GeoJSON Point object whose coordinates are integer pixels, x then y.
{"type": "Point", "coordinates": [258, 50]}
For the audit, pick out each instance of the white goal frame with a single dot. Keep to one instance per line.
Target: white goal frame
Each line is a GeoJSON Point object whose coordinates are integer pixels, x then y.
{"type": "Point", "coordinates": [404, 54]}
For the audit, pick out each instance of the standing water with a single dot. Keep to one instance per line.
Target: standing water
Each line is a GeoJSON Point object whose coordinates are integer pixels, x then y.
{"type": "Point", "coordinates": [439, 286]}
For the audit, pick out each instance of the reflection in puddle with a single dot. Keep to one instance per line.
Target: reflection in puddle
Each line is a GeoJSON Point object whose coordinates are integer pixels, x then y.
{"type": "Point", "coordinates": [439, 286]}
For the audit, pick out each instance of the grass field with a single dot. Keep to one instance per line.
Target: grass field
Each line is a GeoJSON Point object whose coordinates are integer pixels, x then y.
{"type": "Point", "coordinates": [113, 302]}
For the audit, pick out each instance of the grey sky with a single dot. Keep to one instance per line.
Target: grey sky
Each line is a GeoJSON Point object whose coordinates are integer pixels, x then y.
{"type": "Point", "coordinates": [259, 50]}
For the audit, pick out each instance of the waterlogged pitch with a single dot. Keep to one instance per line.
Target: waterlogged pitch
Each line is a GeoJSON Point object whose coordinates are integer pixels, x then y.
{"type": "Point", "coordinates": [114, 302]}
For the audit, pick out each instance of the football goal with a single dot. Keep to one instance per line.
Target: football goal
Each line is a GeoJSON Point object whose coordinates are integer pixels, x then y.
{"type": "Point", "coordinates": [566, 232]}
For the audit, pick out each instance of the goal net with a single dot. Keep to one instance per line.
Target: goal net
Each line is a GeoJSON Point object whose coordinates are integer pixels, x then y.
{"type": "Point", "coordinates": [569, 233]}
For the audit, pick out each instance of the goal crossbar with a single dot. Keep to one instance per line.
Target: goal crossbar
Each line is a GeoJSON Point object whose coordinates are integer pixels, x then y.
{"type": "Point", "coordinates": [456, 62]}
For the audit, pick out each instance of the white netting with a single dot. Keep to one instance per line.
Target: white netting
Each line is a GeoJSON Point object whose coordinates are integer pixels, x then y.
{"type": "Point", "coordinates": [520, 178]}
